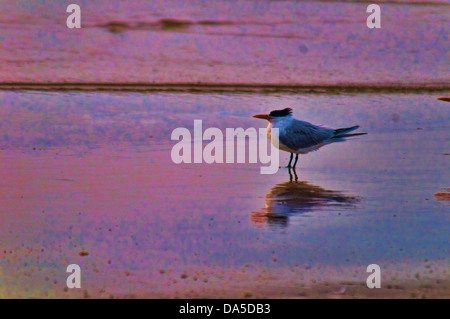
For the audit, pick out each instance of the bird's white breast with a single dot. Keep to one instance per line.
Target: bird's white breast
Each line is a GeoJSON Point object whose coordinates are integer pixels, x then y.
{"type": "Point", "coordinates": [280, 124]}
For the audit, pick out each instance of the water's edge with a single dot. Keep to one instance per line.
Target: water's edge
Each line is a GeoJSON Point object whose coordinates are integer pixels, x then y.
{"type": "Point", "coordinates": [227, 87]}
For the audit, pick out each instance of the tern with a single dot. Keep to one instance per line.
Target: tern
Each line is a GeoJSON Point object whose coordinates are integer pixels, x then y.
{"type": "Point", "coordinates": [300, 137]}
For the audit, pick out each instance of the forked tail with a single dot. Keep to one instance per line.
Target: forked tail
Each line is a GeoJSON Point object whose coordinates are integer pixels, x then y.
{"type": "Point", "coordinates": [343, 132]}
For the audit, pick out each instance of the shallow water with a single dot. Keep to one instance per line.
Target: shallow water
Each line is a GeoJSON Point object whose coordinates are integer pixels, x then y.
{"type": "Point", "coordinates": [92, 171]}
{"type": "Point", "coordinates": [276, 42]}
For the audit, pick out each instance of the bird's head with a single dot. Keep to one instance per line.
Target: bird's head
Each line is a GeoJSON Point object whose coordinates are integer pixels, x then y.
{"type": "Point", "coordinates": [274, 114]}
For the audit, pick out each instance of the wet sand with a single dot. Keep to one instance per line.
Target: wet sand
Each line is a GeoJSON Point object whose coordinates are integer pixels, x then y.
{"type": "Point", "coordinates": [92, 173]}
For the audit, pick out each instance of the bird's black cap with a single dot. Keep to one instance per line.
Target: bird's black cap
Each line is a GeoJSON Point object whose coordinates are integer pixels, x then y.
{"type": "Point", "coordinates": [279, 113]}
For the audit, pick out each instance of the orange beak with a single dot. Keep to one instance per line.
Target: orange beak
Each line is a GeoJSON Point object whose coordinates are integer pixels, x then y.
{"type": "Point", "coordinates": [262, 116]}
{"type": "Point", "coordinates": [446, 99]}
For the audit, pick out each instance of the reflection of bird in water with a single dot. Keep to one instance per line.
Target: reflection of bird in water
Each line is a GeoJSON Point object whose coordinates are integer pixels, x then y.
{"type": "Point", "coordinates": [292, 198]}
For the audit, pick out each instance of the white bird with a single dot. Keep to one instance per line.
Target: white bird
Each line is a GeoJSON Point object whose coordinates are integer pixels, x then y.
{"type": "Point", "coordinates": [301, 137]}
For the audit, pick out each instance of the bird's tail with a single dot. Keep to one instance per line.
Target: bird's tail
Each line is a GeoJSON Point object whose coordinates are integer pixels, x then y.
{"type": "Point", "coordinates": [343, 132]}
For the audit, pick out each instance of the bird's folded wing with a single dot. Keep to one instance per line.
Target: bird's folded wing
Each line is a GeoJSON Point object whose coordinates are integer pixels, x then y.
{"type": "Point", "coordinates": [304, 135]}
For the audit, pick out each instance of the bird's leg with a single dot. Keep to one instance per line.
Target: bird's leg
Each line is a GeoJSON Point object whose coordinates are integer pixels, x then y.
{"type": "Point", "coordinates": [290, 160]}
{"type": "Point", "coordinates": [295, 174]}
{"type": "Point", "coordinates": [295, 163]}
{"type": "Point", "coordinates": [292, 170]}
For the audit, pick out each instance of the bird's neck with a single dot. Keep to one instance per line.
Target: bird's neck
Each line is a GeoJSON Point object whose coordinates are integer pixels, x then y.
{"type": "Point", "coordinates": [269, 130]}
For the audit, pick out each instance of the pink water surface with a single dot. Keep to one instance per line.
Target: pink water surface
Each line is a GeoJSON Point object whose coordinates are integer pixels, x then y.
{"type": "Point", "coordinates": [93, 172]}
{"type": "Point", "coordinates": [241, 42]}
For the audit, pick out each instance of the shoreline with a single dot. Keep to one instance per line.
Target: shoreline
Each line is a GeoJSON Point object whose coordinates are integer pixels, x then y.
{"type": "Point", "coordinates": [225, 87]}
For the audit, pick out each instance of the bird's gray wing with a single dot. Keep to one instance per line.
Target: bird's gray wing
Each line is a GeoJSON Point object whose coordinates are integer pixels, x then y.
{"type": "Point", "coordinates": [301, 134]}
